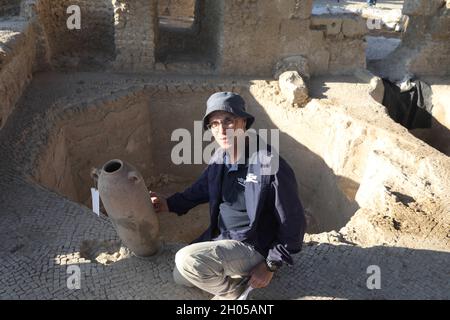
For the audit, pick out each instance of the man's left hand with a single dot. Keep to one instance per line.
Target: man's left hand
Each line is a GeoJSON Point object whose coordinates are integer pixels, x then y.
{"type": "Point", "coordinates": [260, 276]}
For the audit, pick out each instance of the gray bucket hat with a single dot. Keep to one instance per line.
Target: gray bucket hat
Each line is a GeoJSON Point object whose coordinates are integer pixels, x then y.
{"type": "Point", "coordinates": [229, 102]}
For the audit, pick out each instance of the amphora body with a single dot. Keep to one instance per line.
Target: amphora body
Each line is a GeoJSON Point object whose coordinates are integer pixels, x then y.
{"type": "Point", "coordinates": [128, 204]}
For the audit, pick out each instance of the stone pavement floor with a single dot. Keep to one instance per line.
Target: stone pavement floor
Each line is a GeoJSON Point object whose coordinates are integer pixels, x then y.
{"type": "Point", "coordinates": [41, 230]}
{"type": "Point", "coordinates": [42, 235]}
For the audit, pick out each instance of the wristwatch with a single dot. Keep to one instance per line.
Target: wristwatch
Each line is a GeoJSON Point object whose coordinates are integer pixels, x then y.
{"type": "Point", "coordinates": [273, 266]}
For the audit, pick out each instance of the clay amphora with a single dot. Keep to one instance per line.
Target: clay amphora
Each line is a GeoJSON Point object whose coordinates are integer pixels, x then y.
{"type": "Point", "coordinates": [128, 204]}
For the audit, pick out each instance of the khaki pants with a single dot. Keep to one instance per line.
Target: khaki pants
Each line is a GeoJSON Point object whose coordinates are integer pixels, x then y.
{"type": "Point", "coordinates": [219, 267]}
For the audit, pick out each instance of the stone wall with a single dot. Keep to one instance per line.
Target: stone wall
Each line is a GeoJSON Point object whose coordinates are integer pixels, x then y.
{"type": "Point", "coordinates": [136, 34]}
{"type": "Point", "coordinates": [78, 145]}
{"type": "Point", "coordinates": [176, 8]}
{"type": "Point", "coordinates": [428, 35]}
{"type": "Point", "coordinates": [119, 34]}
{"type": "Point", "coordinates": [249, 37]}
{"type": "Point", "coordinates": [212, 14]}
{"type": "Point", "coordinates": [56, 169]}
{"type": "Point", "coordinates": [92, 45]}
{"type": "Point", "coordinates": [237, 37]}
{"type": "Point", "coordinates": [200, 42]}
{"type": "Point", "coordinates": [188, 43]}
{"type": "Point", "coordinates": [9, 7]}
{"type": "Point", "coordinates": [425, 47]}
{"type": "Point", "coordinates": [257, 34]}
{"type": "Point", "coordinates": [337, 44]}
{"type": "Point", "coordinates": [17, 57]}
{"type": "Point", "coordinates": [240, 38]}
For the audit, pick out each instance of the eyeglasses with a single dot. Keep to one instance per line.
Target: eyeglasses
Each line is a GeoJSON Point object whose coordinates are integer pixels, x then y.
{"type": "Point", "coordinates": [227, 123]}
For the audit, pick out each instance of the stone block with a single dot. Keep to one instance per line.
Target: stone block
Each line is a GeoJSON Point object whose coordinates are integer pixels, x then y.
{"type": "Point", "coordinates": [354, 27]}
{"type": "Point", "coordinates": [331, 24]}
{"type": "Point", "coordinates": [293, 88]}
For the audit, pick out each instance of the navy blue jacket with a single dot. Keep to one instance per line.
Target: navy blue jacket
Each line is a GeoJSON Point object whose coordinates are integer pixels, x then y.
{"type": "Point", "coordinates": [277, 221]}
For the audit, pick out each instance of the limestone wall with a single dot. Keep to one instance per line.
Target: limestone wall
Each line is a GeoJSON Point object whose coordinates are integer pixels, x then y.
{"type": "Point", "coordinates": [425, 47]}
{"type": "Point", "coordinates": [17, 56]}
{"type": "Point", "coordinates": [9, 7]}
{"type": "Point", "coordinates": [201, 42]}
{"type": "Point", "coordinates": [428, 34]}
{"type": "Point", "coordinates": [257, 34]}
{"type": "Point", "coordinates": [56, 170]}
{"type": "Point", "coordinates": [213, 17]}
{"type": "Point", "coordinates": [239, 37]}
{"type": "Point", "coordinates": [249, 37]}
{"type": "Point", "coordinates": [176, 8]}
{"type": "Point", "coordinates": [93, 44]}
{"type": "Point", "coordinates": [337, 44]}
{"type": "Point", "coordinates": [135, 34]}
{"type": "Point", "coordinates": [117, 34]}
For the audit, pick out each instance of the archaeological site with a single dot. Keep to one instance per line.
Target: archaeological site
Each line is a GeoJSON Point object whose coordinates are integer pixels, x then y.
{"type": "Point", "coordinates": [358, 94]}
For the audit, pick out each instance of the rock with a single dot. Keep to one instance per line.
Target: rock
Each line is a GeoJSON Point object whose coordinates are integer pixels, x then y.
{"type": "Point", "coordinates": [332, 237]}
{"type": "Point", "coordinates": [376, 84]}
{"type": "Point", "coordinates": [293, 88]}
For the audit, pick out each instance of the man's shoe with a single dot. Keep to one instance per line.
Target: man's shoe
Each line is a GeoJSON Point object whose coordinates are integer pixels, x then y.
{"type": "Point", "coordinates": [244, 295]}
{"type": "Point", "coordinates": [240, 293]}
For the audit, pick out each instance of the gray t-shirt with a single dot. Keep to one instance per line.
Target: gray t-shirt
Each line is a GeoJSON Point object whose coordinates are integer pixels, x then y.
{"type": "Point", "coordinates": [233, 211]}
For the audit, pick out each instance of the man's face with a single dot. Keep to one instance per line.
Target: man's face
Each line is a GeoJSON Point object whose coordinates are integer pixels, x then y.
{"type": "Point", "coordinates": [225, 127]}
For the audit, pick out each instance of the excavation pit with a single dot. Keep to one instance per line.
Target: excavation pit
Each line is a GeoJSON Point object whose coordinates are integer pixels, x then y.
{"type": "Point", "coordinates": [332, 149]}
{"type": "Point", "coordinates": [138, 130]}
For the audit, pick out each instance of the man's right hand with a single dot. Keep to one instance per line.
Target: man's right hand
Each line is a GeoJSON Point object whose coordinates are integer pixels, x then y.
{"type": "Point", "coordinates": [159, 202]}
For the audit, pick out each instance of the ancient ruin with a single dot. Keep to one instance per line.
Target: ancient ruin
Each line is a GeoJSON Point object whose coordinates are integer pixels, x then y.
{"type": "Point", "coordinates": [375, 192]}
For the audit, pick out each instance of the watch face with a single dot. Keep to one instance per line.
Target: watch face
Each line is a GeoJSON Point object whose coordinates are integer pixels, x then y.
{"type": "Point", "coordinates": [272, 266]}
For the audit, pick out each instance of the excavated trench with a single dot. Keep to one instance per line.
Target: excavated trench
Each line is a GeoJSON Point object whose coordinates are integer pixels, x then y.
{"type": "Point", "coordinates": [138, 130]}
{"type": "Point", "coordinates": [339, 159]}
